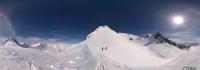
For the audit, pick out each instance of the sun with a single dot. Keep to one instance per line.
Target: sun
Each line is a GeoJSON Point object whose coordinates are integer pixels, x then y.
{"type": "Point", "coordinates": [178, 20]}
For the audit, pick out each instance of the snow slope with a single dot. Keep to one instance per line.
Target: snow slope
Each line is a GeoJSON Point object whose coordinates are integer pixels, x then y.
{"type": "Point", "coordinates": [104, 49]}
{"type": "Point", "coordinates": [163, 50]}
{"type": "Point", "coordinates": [73, 58]}
{"type": "Point", "coordinates": [121, 50]}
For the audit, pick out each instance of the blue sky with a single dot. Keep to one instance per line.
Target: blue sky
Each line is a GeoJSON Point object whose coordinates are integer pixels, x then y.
{"type": "Point", "coordinates": [74, 19]}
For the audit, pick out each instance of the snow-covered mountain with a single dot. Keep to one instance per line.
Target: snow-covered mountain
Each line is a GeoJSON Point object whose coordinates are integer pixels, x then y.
{"type": "Point", "coordinates": [112, 45]}
{"type": "Point", "coordinates": [103, 49]}
{"type": "Point", "coordinates": [11, 41]}
{"type": "Point", "coordinates": [157, 38]}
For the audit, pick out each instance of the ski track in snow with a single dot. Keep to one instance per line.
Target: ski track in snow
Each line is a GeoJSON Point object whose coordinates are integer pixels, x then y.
{"type": "Point", "coordinates": [104, 49]}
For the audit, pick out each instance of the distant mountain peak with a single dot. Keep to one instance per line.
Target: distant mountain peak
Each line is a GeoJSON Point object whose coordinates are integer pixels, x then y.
{"type": "Point", "coordinates": [105, 27]}
{"type": "Point", "coordinates": [12, 41]}
{"type": "Point", "coordinates": [163, 39]}
{"type": "Point", "coordinates": [157, 35]}
{"type": "Point", "coordinates": [101, 29]}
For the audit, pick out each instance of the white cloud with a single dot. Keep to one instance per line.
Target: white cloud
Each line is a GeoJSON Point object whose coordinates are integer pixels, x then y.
{"type": "Point", "coordinates": [182, 34]}
{"type": "Point", "coordinates": [30, 39]}
{"type": "Point", "coordinates": [186, 36]}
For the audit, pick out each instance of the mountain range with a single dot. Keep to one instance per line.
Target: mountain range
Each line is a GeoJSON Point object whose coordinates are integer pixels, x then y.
{"type": "Point", "coordinates": [103, 49]}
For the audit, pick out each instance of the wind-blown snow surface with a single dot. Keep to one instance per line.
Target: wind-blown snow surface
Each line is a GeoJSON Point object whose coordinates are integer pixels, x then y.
{"type": "Point", "coordinates": [104, 49]}
{"type": "Point", "coordinates": [71, 58]}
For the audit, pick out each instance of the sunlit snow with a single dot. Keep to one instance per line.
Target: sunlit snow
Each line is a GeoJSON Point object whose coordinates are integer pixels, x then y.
{"type": "Point", "coordinates": [103, 49]}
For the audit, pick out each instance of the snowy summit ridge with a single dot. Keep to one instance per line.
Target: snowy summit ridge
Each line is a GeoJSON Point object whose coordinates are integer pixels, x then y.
{"type": "Point", "coordinates": [100, 29]}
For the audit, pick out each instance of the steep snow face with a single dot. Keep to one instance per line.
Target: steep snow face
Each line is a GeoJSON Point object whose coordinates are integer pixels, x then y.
{"type": "Point", "coordinates": [101, 38]}
{"type": "Point", "coordinates": [106, 43]}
